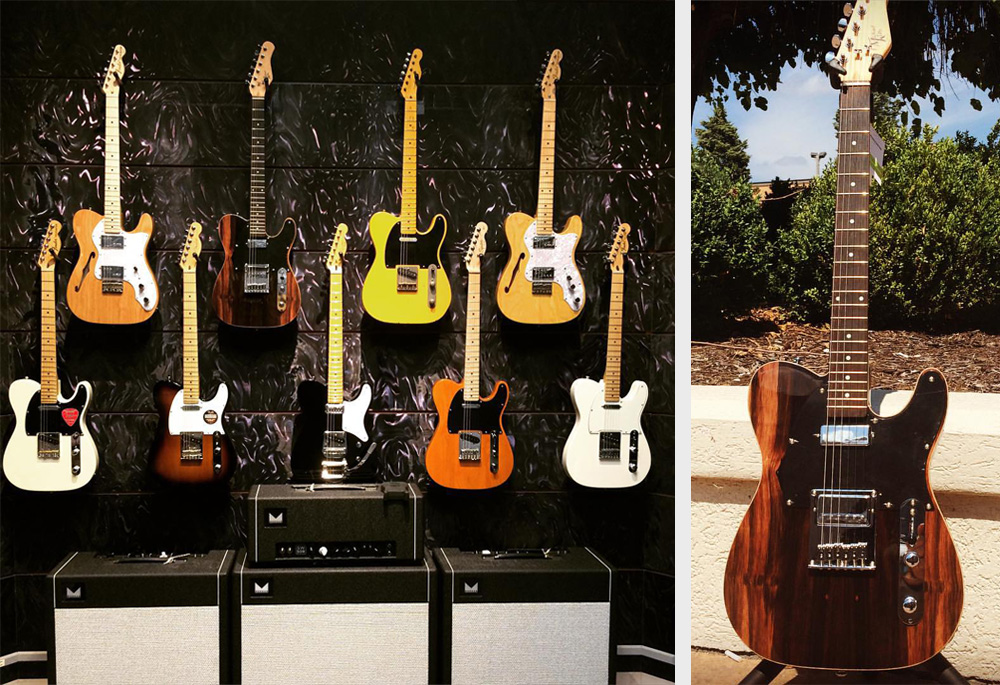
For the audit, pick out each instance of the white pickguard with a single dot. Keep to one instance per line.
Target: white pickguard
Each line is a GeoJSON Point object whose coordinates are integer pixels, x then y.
{"type": "Point", "coordinates": [354, 411]}
{"type": "Point", "coordinates": [560, 259]}
{"type": "Point", "coordinates": [132, 259]}
{"type": "Point", "coordinates": [21, 464]}
{"type": "Point", "coordinates": [181, 420]}
{"type": "Point", "coordinates": [580, 457]}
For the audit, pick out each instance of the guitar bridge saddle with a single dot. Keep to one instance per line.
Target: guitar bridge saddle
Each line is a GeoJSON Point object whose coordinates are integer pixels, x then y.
{"type": "Point", "coordinates": [111, 279]}
{"type": "Point", "coordinates": [469, 446]}
{"type": "Point", "coordinates": [610, 446]}
{"type": "Point", "coordinates": [191, 446]}
{"type": "Point", "coordinates": [255, 279]}
{"type": "Point", "coordinates": [48, 445]}
{"type": "Point", "coordinates": [406, 279]}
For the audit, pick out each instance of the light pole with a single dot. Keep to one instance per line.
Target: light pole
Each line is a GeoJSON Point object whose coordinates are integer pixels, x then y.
{"type": "Point", "coordinates": [817, 156]}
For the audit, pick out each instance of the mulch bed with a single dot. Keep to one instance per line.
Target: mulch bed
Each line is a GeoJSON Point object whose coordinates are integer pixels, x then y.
{"type": "Point", "coordinates": [970, 360]}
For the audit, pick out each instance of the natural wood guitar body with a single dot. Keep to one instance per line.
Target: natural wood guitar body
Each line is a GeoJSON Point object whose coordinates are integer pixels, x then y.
{"type": "Point", "coordinates": [514, 296]}
{"type": "Point", "coordinates": [850, 620]}
{"type": "Point", "coordinates": [83, 293]}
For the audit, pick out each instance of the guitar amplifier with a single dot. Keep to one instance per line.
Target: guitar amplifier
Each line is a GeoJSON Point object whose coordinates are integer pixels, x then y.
{"type": "Point", "coordinates": [350, 624]}
{"type": "Point", "coordinates": [140, 619]}
{"type": "Point", "coordinates": [379, 523]}
{"type": "Point", "coordinates": [525, 616]}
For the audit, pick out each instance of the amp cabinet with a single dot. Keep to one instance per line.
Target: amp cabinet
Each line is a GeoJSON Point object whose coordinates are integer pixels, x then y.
{"type": "Point", "coordinates": [525, 616]}
{"type": "Point", "coordinates": [335, 624]}
{"type": "Point", "coordinates": [140, 619]}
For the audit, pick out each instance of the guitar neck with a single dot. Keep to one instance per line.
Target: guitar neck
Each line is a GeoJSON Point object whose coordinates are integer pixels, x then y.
{"type": "Point", "coordinates": [546, 167]}
{"type": "Point", "coordinates": [49, 377]}
{"type": "Point", "coordinates": [335, 347]}
{"type": "Point", "coordinates": [112, 167]}
{"type": "Point", "coordinates": [849, 378]}
{"type": "Point", "coordinates": [192, 387]}
{"type": "Point", "coordinates": [408, 209]}
{"type": "Point", "coordinates": [613, 367]}
{"type": "Point", "coordinates": [472, 338]}
{"type": "Point", "coordinates": [258, 221]}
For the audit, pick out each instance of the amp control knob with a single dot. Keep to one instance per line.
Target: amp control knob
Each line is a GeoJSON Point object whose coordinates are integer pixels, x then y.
{"type": "Point", "coordinates": [910, 604]}
{"type": "Point", "coordinates": [323, 551]}
{"type": "Point", "coordinates": [911, 559]}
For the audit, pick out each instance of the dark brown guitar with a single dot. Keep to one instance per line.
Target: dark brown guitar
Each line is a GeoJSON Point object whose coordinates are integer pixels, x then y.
{"type": "Point", "coordinates": [843, 560]}
{"type": "Point", "coordinates": [256, 286]}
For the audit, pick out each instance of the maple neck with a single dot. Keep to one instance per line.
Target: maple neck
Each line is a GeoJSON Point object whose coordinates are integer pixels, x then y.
{"type": "Point", "coordinates": [335, 346]}
{"type": "Point", "coordinates": [472, 339]}
{"type": "Point", "coordinates": [258, 221]}
{"type": "Point", "coordinates": [49, 377]}
{"type": "Point", "coordinates": [112, 167]}
{"type": "Point", "coordinates": [546, 167]}
{"type": "Point", "coordinates": [192, 386]}
{"type": "Point", "coordinates": [408, 209]}
{"type": "Point", "coordinates": [613, 366]}
{"type": "Point", "coordinates": [849, 380]}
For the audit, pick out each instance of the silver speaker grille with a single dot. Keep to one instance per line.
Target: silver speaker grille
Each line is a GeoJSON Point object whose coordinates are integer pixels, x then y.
{"type": "Point", "coordinates": [137, 645]}
{"type": "Point", "coordinates": [530, 643]}
{"type": "Point", "coordinates": [348, 643]}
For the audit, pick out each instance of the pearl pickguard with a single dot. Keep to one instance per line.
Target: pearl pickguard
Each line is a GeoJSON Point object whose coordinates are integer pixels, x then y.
{"type": "Point", "coordinates": [560, 259]}
{"type": "Point", "coordinates": [182, 420]}
{"type": "Point", "coordinates": [132, 259]}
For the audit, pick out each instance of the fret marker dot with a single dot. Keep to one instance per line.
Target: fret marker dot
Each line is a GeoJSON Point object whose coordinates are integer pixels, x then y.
{"type": "Point", "coordinates": [847, 394]}
{"type": "Point", "coordinates": [848, 357]}
{"type": "Point", "coordinates": [861, 299]}
{"type": "Point", "coordinates": [848, 336]}
{"type": "Point", "coordinates": [853, 184]}
{"type": "Point", "coordinates": [854, 142]}
{"type": "Point", "coordinates": [850, 254]}
{"type": "Point", "coordinates": [847, 378]}
{"type": "Point", "coordinates": [838, 298]}
{"type": "Point", "coordinates": [852, 221]}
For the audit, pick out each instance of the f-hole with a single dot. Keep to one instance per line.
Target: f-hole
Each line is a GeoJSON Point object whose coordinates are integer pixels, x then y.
{"type": "Point", "coordinates": [83, 274]}
{"type": "Point", "coordinates": [513, 273]}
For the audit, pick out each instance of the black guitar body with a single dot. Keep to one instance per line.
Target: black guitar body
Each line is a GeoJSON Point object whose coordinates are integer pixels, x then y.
{"type": "Point", "coordinates": [309, 433]}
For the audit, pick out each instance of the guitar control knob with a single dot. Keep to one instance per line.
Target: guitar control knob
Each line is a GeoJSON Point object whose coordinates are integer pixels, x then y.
{"type": "Point", "coordinates": [911, 559]}
{"type": "Point", "coordinates": [322, 551]}
{"type": "Point", "coordinates": [909, 604]}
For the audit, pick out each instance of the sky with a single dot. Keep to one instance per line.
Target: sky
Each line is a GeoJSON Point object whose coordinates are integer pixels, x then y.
{"type": "Point", "coordinates": [799, 120]}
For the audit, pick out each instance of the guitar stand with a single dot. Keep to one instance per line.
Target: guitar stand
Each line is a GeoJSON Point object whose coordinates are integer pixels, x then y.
{"type": "Point", "coordinates": [937, 668]}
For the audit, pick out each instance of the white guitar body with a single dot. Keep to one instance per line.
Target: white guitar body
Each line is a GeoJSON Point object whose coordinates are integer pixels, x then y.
{"type": "Point", "coordinates": [353, 413]}
{"type": "Point", "coordinates": [198, 416]}
{"type": "Point", "coordinates": [581, 457]}
{"type": "Point", "coordinates": [131, 257]}
{"type": "Point", "coordinates": [21, 461]}
{"type": "Point", "coordinates": [560, 259]}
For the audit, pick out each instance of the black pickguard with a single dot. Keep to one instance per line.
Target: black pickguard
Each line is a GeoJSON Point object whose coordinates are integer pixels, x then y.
{"type": "Point", "coordinates": [422, 252]}
{"type": "Point", "coordinates": [53, 414]}
{"type": "Point", "coordinates": [894, 464]}
{"type": "Point", "coordinates": [275, 255]}
{"type": "Point", "coordinates": [307, 434]}
{"type": "Point", "coordinates": [484, 416]}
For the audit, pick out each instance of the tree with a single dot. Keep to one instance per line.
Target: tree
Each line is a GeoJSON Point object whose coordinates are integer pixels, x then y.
{"type": "Point", "coordinates": [721, 141]}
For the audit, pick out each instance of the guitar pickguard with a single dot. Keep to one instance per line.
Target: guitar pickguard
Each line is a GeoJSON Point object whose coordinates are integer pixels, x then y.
{"type": "Point", "coordinates": [130, 257]}
{"type": "Point", "coordinates": [558, 259]}
{"type": "Point", "coordinates": [200, 416]}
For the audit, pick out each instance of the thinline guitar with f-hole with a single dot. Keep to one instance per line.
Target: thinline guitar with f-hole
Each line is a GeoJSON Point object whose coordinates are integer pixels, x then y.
{"type": "Point", "coordinates": [843, 560]}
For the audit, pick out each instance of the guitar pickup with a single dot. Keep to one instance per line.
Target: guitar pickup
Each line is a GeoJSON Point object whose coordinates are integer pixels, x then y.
{"type": "Point", "coordinates": [255, 279]}
{"type": "Point", "coordinates": [543, 273]}
{"type": "Point", "coordinates": [468, 446]}
{"type": "Point", "coordinates": [406, 279]}
{"type": "Point", "coordinates": [191, 447]}
{"type": "Point", "coordinates": [610, 446]}
{"type": "Point", "coordinates": [282, 289]}
{"type": "Point", "coordinates": [112, 242]}
{"type": "Point", "coordinates": [850, 435]}
{"type": "Point", "coordinates": [111, 279]}
{"type": "Point", "coordinates": [257, 243]}
{"type": "Point", "coordinates": [543, 242]}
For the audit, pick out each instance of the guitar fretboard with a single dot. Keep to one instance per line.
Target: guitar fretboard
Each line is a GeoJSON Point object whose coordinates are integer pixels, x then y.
{"type": "Point", "coordinates": [472, 338]}
{"type": "Point", "coordinates": [408, 208]}
{"type": "Point", "coordinates": [848, 379]}
{"type": "Point", "coordinates": [335, 346]}
{"type": "Point", "coordinates": [49, 377]}
{"type": "Point", "coordinates": [112, 167]}
{"type": "Point", "coordinates": [258, 220]}
{"type": "Point", "coordinates": [546, 168]}
{"type": "Point", "coordinates": [612, 370]}
{"type": "Point", "coordinates": [192, 389]}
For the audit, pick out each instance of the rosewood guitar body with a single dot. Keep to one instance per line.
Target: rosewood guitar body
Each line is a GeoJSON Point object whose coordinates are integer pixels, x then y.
{"type": "Point", "coordinates": [271, 309]}
{"type": "Point", "coordinates": [841, 619]}
{"type": "Point", "coordinates": [166, 453]}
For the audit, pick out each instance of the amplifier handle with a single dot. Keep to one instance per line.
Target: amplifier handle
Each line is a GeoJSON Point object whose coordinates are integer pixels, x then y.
{"type": "Point", "coordinates": [522, 553]}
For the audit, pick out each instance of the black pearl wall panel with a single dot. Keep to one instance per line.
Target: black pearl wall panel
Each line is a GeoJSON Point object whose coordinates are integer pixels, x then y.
{"type": "Point", "coordinates": [334, 148]}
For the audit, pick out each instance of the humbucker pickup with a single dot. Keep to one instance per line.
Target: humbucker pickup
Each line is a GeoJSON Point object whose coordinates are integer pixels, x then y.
{"type": "Point", "coordinates": [610, 446]}
{"type": "Point", "coordinates": [842, 530]}
{"type": "Point", "coordinates": [255, 279]}
{"type": "Point", "coordinates": [543, 242]}
{"type": "Point", "coordinates": [543, 273]}
{"type": "Point", "coordinates": [257, 243]}
{"type": "Point", "coordinates": [847, 434]}
{"type": "Point", "coordinates": [191, 444]}
{"type": "Point", "coordinates": [406, 279]}
{"type": "Point", "coordinates": [112, 242]}
{"type": "Point", "coordinates": [48, 445]}
{"type": "Point", "coordinates": [468, 446]}
{"type": "Point", "coordinates": [111, 279]}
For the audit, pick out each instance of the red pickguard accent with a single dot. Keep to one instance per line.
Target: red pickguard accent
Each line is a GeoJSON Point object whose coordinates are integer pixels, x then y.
{"type": "Point", "coordinates": [70, 415]}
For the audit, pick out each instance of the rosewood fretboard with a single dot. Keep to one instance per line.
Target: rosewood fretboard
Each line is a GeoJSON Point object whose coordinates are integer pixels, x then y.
{"type": "Point", "coordinates": [258, 219]}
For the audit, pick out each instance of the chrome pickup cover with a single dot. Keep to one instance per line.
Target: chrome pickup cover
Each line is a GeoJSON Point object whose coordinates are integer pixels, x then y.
{"type": "Point", "coordinates": [842, 530]}
{"type": "Point", "coordinates": [849, 435]}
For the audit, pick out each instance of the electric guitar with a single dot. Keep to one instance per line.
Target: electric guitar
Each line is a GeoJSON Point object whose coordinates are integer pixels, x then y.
{"type": "Point", "coordinates": [607, 447]}
{"type": "Point", "coordinates": [191, 444]}
{"type": "Point", "coordinates": [470, 449]}
{"type": "Point", "coordinates": [327, 433]}
{"type": "Point", "coordinates": [843, 560]}
{"type": "Point", "coordinates": [111, 282]}
{"type": "Point", "coordinates": [540, 283]}
{"type": "Point", "coordinates": [256, 287]}
{"type": "Point", "coordinates": [406, 283]}
{"type": "Point", "coordinates": [50, 448]}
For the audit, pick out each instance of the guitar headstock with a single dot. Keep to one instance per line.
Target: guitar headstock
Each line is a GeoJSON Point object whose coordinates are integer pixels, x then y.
{"type": "Point", "coordinates": [335, 260]}
{"type": "Point", "coordinates": [616, 256]}
{"type": "Point", "coordinates": [411, 74]}
{"type": "Point", "coordinates": [51, 244]}
{"type": "Point", "coordinates": [865, 43]}
{"type": "Point", "coordinates": [115, 72]}
{"type": "Point", "coordinates": [551, 71]}
{"type": "Point", "coordinates": [261, 76]}
{"type": "Point", "coordinates": [192, 248]}
{"type": "Point", "coordinates": [476, 249]}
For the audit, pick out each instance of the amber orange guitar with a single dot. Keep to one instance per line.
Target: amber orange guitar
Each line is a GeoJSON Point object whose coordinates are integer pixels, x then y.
{"type": "Point", "coordinates": [469, 449]}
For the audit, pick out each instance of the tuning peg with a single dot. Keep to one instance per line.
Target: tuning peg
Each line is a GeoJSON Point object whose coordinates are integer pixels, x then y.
{"type": "Point", "coordinates": [848, 9]}
{"type": "Point", "coordinates": [835, 41]}
{"type": "Point", "coordinates": [842, 24]}
{"type": "Point", "coordinates": [876, 61]}
{"type": "Point", "coordinates": [832, 62]}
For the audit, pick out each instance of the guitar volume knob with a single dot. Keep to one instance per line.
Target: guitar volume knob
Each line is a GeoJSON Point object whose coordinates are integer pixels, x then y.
{"type": "Point", "coordinates": [911, 559]}
{"type": "Point", "coordinates": [909, 604]}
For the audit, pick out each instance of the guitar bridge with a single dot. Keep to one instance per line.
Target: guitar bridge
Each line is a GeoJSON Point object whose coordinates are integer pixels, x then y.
{"type": "Point", "coordinates": [541, 280]}
{"type": "Point", "coordinates": [255, 279]}
{"type": "Point", "coordinates": [48, 445]}
{"type": "Point", "coordinates": [842, 530]}
{"type": "Point", "coordinates": [610, 446]}
{"type": "Point", "coordinates": [111, 279]}
{"type": "Point", "coordinates": [191, 447]}
{"type": "Point", "coordinates": [406, 279]}
{"type": "Point", "coordinates": [334, 455]}
{"type": "Point", "coordinates": [468, 446]}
